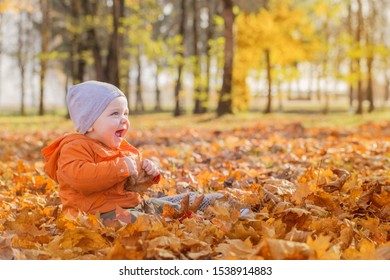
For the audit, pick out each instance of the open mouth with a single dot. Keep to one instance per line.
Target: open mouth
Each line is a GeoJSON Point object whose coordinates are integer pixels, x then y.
{"type": "Point", "coordinates": [119, 132]}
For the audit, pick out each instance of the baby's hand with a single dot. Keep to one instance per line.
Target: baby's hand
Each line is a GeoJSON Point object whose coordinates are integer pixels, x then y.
{"type": "Point", "coordinates": [131, 166]}
{"type": "Point", "coordinates": [150, 168]}
{"type": "Point", "coordinates": [142, 173]}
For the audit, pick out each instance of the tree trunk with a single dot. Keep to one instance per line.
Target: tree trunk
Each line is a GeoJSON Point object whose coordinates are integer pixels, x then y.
{"type": "Point", "coordinates": [21, 58]}
{"type": "Point", "coordinates": [351, 63]}
{"type": "Point", "coordinates": [93, 42]}
{"type": "Point", "coordinates": [199, 96]}
{"type": "Point", "coordinates": [210, 35]}
{"type": "Point", "coordinates": [370, 59]}
{"type": "Point", "coordinates": [197, 90]}
{"type": "Point", "coordinates": [66, 85]}
{"type": "Point", "coordinates": [107, 68]}
{"type": "Point", "coordinates": [280, 96]}
{"type": "Point", "coordinates": [319, 89]}
{"type": "Point", "coordinates": [325, 62]}
{"type": "Point", "coordinates": [370, 91]}
{"type": "Point", "coordinates": [45, 35]}
{"type": "Point", "coordinates": [268, 109]}
{"type": "Point", "coordinates": [289, 90]}
{"type": "Point", "coordinates": [128, 85]}
{"type": "Point", "coordinates": [325, 110]}
{"type": "Point", "coordinates": [77, 65]}
{"type": "Point", "coordinates": [311, 82]}
{"type": "Point", "coordinates": [77, 46]}
{"type": "Point", "coordinates": [112, 66]}
{"type": "Point", "coordinates": [23, 90]}
{"type": "Point", "coordinates": [178, 86]}
{"type": "Point", "coordinates": [387, 89]}
{"type": "Point", "coordinates": [157, 107]}
{"type": "Point", "coordinates": [225, 98]}
{"type": "Point", "coordinates": [359, 31]}
{"type": "Point", "coordinates": [139, 103]}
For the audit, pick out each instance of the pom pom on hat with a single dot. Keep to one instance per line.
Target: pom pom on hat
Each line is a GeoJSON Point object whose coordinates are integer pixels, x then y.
{"type": "Point", "coordinates": [87, 101]}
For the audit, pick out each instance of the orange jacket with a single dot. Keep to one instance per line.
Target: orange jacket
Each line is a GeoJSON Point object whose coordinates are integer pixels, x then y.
{"type": "Point", "coordinates": [91, 175]}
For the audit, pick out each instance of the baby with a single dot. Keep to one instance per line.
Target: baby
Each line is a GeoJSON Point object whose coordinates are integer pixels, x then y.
{"type": "Point", "coordinates": [93, 166]}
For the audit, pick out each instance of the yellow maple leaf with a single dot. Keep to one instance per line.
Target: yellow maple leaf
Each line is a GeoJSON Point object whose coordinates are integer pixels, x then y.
{"type": "Point", "coordinates": [237, 249]}
{"type": "Point", "coordinates": [323, 247]}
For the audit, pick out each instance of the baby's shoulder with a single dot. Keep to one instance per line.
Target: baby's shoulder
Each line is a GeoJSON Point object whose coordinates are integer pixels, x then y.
{"type": "Point", "coordinates": [81, 143]}
{"type": "Point", "coordinates": [88, 150]}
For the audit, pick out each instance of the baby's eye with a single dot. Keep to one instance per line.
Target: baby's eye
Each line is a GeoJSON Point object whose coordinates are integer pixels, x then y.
{"type": "Point", "coordinates": [115, 114]}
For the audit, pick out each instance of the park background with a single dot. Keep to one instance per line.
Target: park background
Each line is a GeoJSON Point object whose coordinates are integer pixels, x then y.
{"type": "Point", "coordinates": [282, 104]}
{"type": "Point", "coordinates": [183, 56]}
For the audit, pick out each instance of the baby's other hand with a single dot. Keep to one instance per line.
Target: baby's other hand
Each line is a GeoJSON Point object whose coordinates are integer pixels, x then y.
{"type": "Point", "coordinates": [150, 168]}
{"type": "Point", "coordinates": [131, 166]}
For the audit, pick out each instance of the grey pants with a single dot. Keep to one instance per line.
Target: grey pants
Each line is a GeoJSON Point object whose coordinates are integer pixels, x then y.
{"type": "Point", "coordinates": [158, 203]}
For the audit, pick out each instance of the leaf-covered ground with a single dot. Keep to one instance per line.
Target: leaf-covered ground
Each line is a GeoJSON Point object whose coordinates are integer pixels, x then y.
{"type": "Point", "coordinates": [314, 193]}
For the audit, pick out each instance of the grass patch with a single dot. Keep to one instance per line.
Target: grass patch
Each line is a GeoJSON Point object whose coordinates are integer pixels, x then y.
{"type": "Point", "coordinates": [209, 121]}
{"type": "Point", "coordinates": [206, 121]}
{"type": "Point", "coordinates": [31, 123]}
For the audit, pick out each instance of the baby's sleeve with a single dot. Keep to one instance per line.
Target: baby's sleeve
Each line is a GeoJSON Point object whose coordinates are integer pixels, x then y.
{"type": "Point", "coordinates": [76, 168]}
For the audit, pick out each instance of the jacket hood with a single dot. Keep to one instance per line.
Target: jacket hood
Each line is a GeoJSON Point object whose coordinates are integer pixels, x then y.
{"type": "Point", "coordinates": [52, 152]}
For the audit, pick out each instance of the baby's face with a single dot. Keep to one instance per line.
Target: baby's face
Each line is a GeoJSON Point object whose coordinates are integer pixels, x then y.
{"type": "Point", "coordinates": [112, 125]}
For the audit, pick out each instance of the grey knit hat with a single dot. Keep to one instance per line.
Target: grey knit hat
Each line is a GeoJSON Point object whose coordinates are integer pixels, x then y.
{"type": "Point", "coordinates": [87, 101]}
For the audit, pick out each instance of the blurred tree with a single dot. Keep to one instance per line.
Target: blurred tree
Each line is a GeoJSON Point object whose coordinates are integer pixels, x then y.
{"type": "Point", "coordinates": [203, 30]}
{"type": "Point", "coordinates": [178, 87]}
{"type": "Point", "coordinates": [116, 43]}
{"type": "Point", "coordinates": [325, 14]}
{"type": "Point", "coordinates": [90, 10]}
{"type": "Point", "coordinates": [139, 48]}
{"type": "Point", "coordinates": [383, 47]}
{"type": "Point", "coordinates": [212, 8]}
{"type": "Point", "coordinates": [5, 5]}
{"type": "Point", "coordinates": [164, 48]}
{"type": "Point", "coordinates": [215, 57]}
{"type": "Point", "coordinates": [69, 23]}
{"type": "Point", "coordinates": [370, 28]}
{"type": "Point", "coordinates": [24, 45]}
{"type": "Point", "coordinates": [225, 98]}
{"type": "Point", "coordinates": [358, 34]}
{"type": "Point", "coordinates": [351, 62]}
{"type": "Point", "coordinates": [278, 36]}
{"type": "Point", "coordinates": [267, 54]}
{"type": "Point", "coordinates": [45, 38]}
{"type": "Point", "coordinates": [157, 53]}
{"type": "Point", "coordinates": [199, 96]}
{"type": "Point", "coordinates": [163, 53]}
{"type": "Point", "coordinates": [106, 63]}
{"type": "Point", "coordinates": [325, 39]}
{"type": "Point", "coordinates": [78, 45]}
{"type": "Point", "coordinates": [139, 102]}
{"type": "Point", "coordinates": [351, 50]}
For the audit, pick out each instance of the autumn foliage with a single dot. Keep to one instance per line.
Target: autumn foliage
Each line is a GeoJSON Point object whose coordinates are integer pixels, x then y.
{"type": "Point", "coordinates": [314, 193]}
